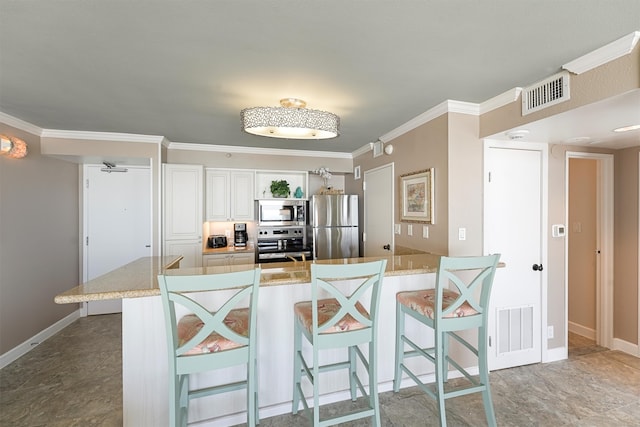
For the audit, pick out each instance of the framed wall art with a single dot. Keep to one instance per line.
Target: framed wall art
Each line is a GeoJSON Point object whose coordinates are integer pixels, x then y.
{"type": "Point", "coordinates": [416, 190]}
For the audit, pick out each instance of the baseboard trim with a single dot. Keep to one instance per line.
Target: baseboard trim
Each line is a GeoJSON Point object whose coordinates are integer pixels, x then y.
{"type": "Point", "coordinates": [582, 330]}
{"type": "Point", "coordinates": [24, 348]}
{"type": "Point", "coordinates": [626, 347]}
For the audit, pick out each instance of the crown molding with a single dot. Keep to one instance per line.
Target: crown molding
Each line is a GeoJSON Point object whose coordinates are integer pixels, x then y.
{"type": "Point", "coordinates": [102, 136]}
{"type": "Point", "coordinates": [614, 50]}
{"type": "Point", "coordinates": [20, 124]}
{"type": "Point", "coordinates": [498, 101]}
{"type": "Point", "coordinates": [448, 106]}
{"type": "Point", "coordinates": [362, 150]}
{"type": "Point", "coordinates": [257, 150]}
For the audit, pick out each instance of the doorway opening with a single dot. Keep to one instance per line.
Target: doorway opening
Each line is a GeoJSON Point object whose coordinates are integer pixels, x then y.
{"type": "Point", "coordinates": [589, 247]}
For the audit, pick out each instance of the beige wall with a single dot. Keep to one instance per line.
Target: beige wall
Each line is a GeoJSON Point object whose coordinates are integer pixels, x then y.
{"type": "Point", "coordinates": [582, 241]}
{"type": "Point", "coordinates": [625, 294]}
{"type": "Point", "coordinates": [465, 205]}
{"type": "Point", "coordinates": [421, 148]}
{"type": "Point", "coordinates": [39, 249]}
{"type": "Point", "coordinates": [450, 145]}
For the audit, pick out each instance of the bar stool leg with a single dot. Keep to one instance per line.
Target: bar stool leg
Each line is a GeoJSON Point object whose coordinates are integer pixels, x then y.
{"type": "Point", "coordinates": [440, 375]}
{"type": "Point", "coordinates": [297, 365]}
{"type": "Point", "coordinates": [397, 376]}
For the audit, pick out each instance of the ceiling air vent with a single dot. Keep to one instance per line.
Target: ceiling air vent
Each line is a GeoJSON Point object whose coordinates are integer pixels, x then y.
{"type": "Point", "coordinates": [546, 93]}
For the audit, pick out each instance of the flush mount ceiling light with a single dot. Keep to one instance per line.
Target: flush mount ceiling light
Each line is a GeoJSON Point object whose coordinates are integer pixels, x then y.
{"type": "Point", "coordinates": [292, 120]}
{"type": "Point", "coordinates": [12, 147]}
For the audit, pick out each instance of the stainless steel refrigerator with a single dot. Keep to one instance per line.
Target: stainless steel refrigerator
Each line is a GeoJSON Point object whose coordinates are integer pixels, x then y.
{"type": "Point", "coordinates": [333, 223]}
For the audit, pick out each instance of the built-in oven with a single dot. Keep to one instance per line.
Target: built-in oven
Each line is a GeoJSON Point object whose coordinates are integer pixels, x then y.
{"type": "Point", "coordinates": [282, 244]}
{"type": "Point", "coordinates": [279, 213]}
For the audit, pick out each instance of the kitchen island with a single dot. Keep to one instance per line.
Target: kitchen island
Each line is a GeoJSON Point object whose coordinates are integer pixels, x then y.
{"type": "Point", "coordinates": [144, 354]}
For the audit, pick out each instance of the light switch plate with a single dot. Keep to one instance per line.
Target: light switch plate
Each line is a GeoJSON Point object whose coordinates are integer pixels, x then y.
{"type": "Point", "coordinates": [425, 232]}
{"type": "Point", "coordinates": [462, 233]}
{"type": "Point", "coordinates": [397, 228]}
{"type": "Point", "coordinates": [410, 230]}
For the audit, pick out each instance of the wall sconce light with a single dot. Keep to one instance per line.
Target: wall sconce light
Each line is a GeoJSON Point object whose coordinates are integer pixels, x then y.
{"type": "Point", "coordinates": [388, 149]}
{"type": "Point", "coordinates": [12, 147]}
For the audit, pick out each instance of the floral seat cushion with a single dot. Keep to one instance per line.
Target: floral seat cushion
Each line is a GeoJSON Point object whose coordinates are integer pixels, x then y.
{"type": "Point", "coordinates": [424, 302]}
{"type": "Point", "coordinates": [327, 308]}
{"type": "Point", "coordinates": [189, 325]}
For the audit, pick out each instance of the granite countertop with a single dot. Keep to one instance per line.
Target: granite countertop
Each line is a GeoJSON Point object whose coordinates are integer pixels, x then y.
{"type": "Point", "coordinates": [139, 278]}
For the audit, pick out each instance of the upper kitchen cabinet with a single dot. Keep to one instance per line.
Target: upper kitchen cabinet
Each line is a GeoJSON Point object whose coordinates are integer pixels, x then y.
{"type": "Point", "coordinates": [182, 212]}
{"type": "Point", "coordinates": [298, 182]}
{"type": "Point", "coordinates": [229, 194]}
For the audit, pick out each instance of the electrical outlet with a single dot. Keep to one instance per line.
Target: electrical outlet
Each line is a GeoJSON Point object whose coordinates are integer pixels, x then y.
{"type": "Point", "coordinates": [410, 230]}
{"type": "Point", "coordinates": [397, 228]}
{"type": "Point", "coordinates": [425, 232]}
{"type": "Point", "coordinates": [549, 332]}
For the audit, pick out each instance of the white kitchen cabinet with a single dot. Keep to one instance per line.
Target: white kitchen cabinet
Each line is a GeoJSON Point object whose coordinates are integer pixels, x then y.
{"type": "Point", "coordinates": [182, 212]}
{"type": "Point", "coordinates": [229, 194]}
{"type": "Point", "coordinates": [222, 260]}
{"type": "Point", "coordinates": [191, 251]}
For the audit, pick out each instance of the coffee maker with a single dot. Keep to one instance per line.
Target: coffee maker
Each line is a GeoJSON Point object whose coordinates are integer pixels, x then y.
{"type": "Point", "coordinates": [240, 234]}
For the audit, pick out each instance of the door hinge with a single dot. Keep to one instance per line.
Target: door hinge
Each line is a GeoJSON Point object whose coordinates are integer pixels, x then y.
{"type": "Point", "coordinates": [489, 340]}
{"type": "Point", "coordinates": [364, 186]}
{"type": "Point", "coordinates": [87, 241]}
{"type": "Point", "coordinates": [489, 176]}
{"type": "Point", "coordinates": [364, 237]}
{"type": "Point", "coordinates": [86, 185]}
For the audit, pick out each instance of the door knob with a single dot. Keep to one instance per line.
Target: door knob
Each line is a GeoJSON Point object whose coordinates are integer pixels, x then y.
{"type": "Point", "coordinates": [537, 267]}
{"type": "Point", "coordinates": [387, 247]}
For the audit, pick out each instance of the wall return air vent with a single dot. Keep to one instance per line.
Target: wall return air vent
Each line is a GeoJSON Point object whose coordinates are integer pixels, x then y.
{"type": "Point", "coordinates": [546, 93]}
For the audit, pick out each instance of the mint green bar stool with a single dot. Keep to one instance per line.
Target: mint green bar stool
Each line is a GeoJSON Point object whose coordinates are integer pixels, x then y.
{"type": "Point", "coordinates": [206, 340]}
{"type": "Point", "coordinates": [339, 319]}
{"type": "Point", "coordinates": [460, 301]}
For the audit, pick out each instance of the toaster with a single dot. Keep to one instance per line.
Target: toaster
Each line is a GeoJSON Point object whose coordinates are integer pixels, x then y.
{"type": "Point", "coordinates": [217, 241]}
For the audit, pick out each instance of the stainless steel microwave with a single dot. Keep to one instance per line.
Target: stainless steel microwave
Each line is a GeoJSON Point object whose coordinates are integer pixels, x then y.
{"type": "Point", "coordinates": [282, 212]}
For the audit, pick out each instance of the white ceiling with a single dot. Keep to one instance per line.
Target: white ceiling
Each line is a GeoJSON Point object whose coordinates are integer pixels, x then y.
{"type": "Point", "coordinates": [185, 69]}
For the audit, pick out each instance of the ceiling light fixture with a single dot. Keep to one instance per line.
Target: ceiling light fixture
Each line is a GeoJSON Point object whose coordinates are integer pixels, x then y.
{"type": "Point", "coordinates": [292, 120]}
{"type": "Point", "coordinates": [627, 128]}
{"type": "Point", "coordinates": [12, 147]}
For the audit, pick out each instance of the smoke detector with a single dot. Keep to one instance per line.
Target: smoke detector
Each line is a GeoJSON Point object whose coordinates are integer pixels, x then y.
{"type": "Point", "coordinates": [517, 134]}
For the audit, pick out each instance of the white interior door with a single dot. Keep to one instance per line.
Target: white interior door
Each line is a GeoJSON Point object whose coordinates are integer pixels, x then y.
{"type": "Point", "coordinates": [378, 211]}
{"type": "Point", "coordinates": [117, 218]}
{"type": "Point", "coordinates": [514, 227]}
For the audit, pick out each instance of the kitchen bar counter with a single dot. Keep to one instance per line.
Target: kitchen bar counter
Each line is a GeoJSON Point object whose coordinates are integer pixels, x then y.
{"type": "Point", "coordinates": [138, 279]}
{"type": "Point", "coordinates": [144, 348]}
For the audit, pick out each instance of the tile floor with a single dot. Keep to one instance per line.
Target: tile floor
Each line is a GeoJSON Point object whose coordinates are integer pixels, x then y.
{"type": "Point", "coordinates": [74, 379]}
